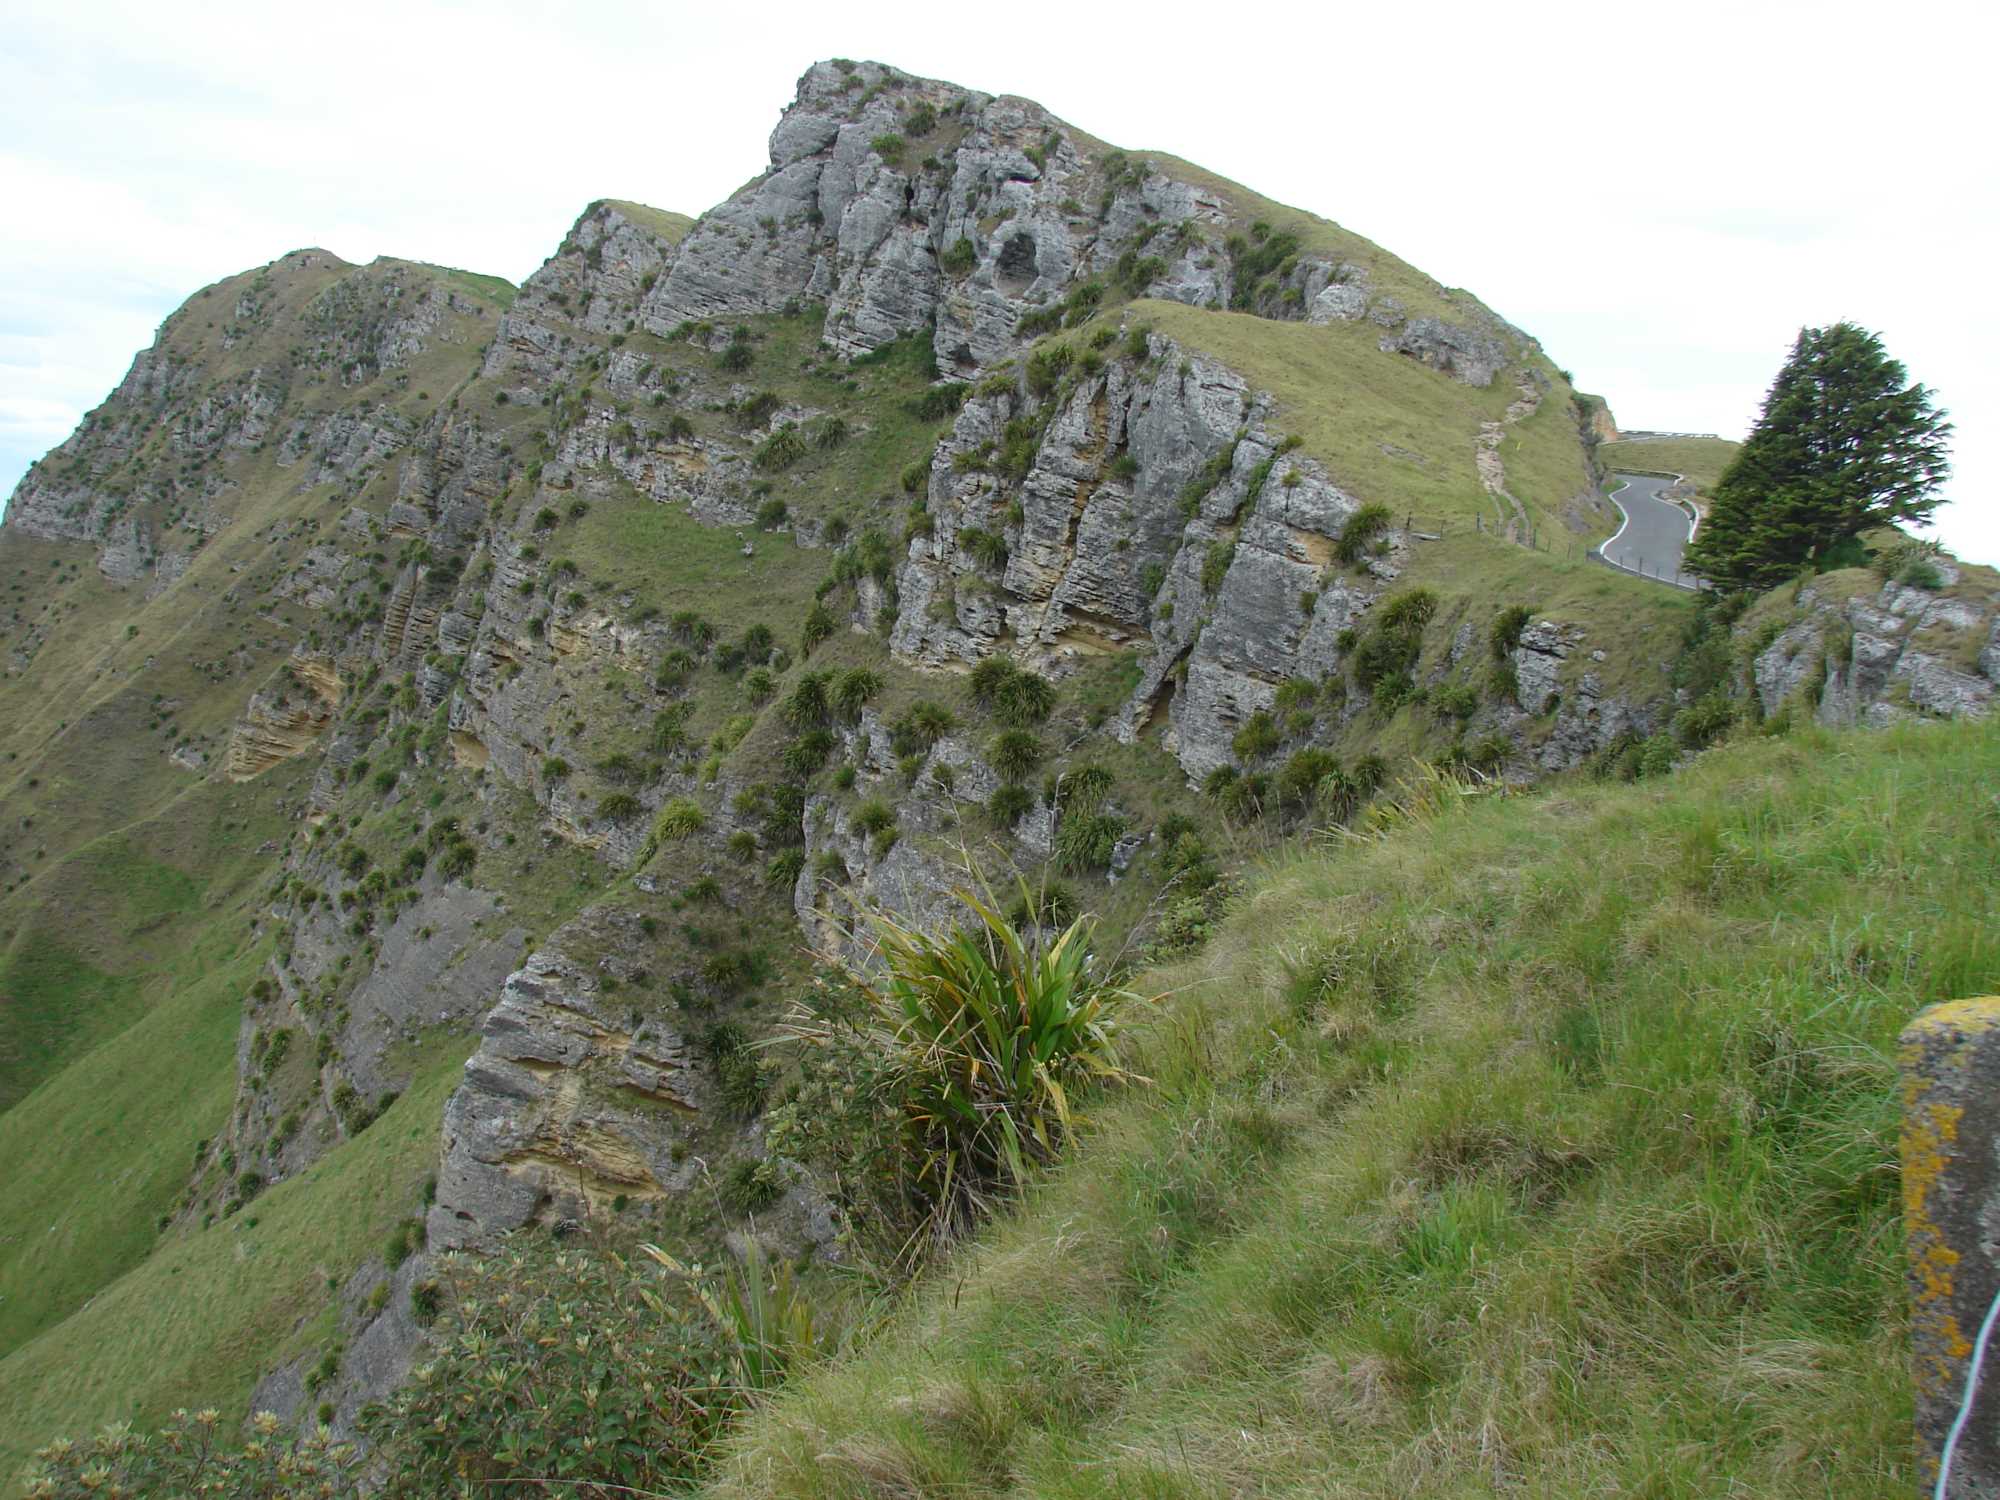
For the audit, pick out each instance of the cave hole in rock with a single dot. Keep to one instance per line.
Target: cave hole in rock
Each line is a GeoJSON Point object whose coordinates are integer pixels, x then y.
{"type": "Point", "coordinates": [1014, 268]}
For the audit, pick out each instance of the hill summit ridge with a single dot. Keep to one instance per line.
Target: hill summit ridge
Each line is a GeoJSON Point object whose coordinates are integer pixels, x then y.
{"type": "Point", "coordinates": [461, 711]}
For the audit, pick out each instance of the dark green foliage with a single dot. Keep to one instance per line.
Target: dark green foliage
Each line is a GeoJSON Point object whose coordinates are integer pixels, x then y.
{"type": "Point", "coordinates": [852, 691]}
{"type": "Point", "coordinates": [1257, 736]}
{"type": "Point", "coordinates": [617, 807]}
{"type": "Point", "coordinates": [986, 548]}
{"type": "Point", "coordinates": [676, 666]}
{"type": "Point", "coordinates": [873, 816]}
{"type": "Point", "coordinates": [1241, 797]}
{"type": "Point", "coordinates": [1047, 366]}
{"type": "Point", "coordinates": [919, 727]}
{"type": "Point", "coordinates": [569, 1427]}
{"type": "Point", "coordinates": [1454, 701]}
{"type": "Point", "coordinates": [1009, 804]}
{"type": "Point", "coordinates": [819, 625]}
{"type": "Point", "coordinates": [405, 1240]}
{"type": "Point", "coordinates": [1299, 780]}
{"type": "Point", "coordinates": [1704, 721]}
{"type": "Point", "coordinates": [1207, 477]}
{"type": "Point", "coordinates": [1842, 446]}
{"type": "Point", "coordinates": [1507, 628]}
{"type": "Point", "coordinates": [692, 630]}
{"type": "Point", "coordinates": [976, 1037]}
{"type": "Point", "coordinates": [1382, 654]}
{"type": "Point", "coordinates": [1014, 753]}
{"type": "Point", "coordinates": [808, 753]}
{"type": "Point", "coordinates": [1706, 664]}
{"type": "Point", "coordinates": [810, 704]}
{"type": "Point", "coordinates": [1215, 564]}
{"type": "Point", "coordinates": [1360, 532]}
{"type": "Point", "coordinates": [742, 1074]}
{"type": "Point", "coordinates": [1135, 272]}
{"type": "Point", "coordinates": [193, 1455]}
{"type": "Point", "coordinates": [780, 450]}
{"type": "Point", "coordinates": [456, 860]}
{"type": "Point", "coordinates": [1257, 262]}
{"type": "Point", "coordinates": [959, 258]}
{"type": "Point", "coordinates": [1086, 832]}
{"type": "Point", "coordinates": [940, 401]}
{"type": "Point", "coordinates": [1410, 610]}
{"type": "Point", "coordinates": [1020, 440]}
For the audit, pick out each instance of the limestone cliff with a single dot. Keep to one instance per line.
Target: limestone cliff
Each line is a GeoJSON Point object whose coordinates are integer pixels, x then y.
{"type": "Point", "coordinates": [620, 633]}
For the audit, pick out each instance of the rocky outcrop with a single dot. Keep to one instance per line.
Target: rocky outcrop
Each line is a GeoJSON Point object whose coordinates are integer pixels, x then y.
{"type": "Point", "coordinates": [287, 720]}
{"type": "Point", "coordinates": [908, 204]}
{"type": "Point", "coordinates": [1875, 657]}
{"type": "Point", "coordinates": [1162, 512]}
{"type": "Point", "coordinates": [570, 1101]}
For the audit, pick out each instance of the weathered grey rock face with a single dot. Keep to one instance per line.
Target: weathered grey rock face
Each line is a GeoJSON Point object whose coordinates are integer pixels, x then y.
{"type": "Point", "coordinates": [380, 1344]}
{"type": "Point", "coordinates": [1161, 513]}
{"type": "Point", "coordinates": [595, 282]}
{"type": "Point", "coordinates": [1464, 352]}
{"type": "Point", "coordinates": [568, 1102]}
{"type": "Point", "coordinates": [906, 203]}
{"type": "Point", "coordinates": [1872, 659]}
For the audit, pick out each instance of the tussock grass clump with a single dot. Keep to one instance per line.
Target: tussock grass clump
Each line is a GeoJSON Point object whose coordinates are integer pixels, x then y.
{"type": "Point", "coordinates": [1528, 1144]}
{"type": "Point", "coordinates": [968, 1044]}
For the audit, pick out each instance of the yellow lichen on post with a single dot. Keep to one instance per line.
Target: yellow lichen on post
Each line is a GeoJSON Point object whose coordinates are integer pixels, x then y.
{"type": "Point", "coordinates": [1950, 1059]}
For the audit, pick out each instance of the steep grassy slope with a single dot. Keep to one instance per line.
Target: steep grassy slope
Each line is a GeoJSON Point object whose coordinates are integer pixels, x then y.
{"type": "Point", "coordinates": [139, 607]}
{"type": "Point", "coordinates": [1392, 431]}
{"type": "Point", "coordinates": [1545, 1145]}
{"type": "Point", "coordinates": [206, 1314]}
{"type": "Point", "coordinates": [560, 572]}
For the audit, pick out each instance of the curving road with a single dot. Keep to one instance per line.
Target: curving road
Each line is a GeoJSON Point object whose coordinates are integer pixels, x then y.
{"type": "Point", "coordinates": [1654, 534]}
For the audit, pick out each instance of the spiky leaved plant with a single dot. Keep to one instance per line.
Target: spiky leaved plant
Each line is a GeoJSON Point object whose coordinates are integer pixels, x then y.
{"type": "Point", "coordinates": [979, 1037]}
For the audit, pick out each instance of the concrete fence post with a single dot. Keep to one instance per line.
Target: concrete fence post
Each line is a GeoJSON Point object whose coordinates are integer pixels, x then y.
{"type": "Point", "coordinates": [1950, 1058]}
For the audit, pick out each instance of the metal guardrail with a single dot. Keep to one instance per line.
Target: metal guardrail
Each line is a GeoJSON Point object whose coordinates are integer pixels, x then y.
{"type": "Point", "coordinates": [1680, 580]}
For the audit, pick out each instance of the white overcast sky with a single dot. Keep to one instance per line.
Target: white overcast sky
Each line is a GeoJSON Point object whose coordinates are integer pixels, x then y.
{"type": "Point", "coordinates": [1663, 194]}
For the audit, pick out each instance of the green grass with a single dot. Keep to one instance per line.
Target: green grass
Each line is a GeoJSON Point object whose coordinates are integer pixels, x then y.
{"type": "Point", "coordinates": [53, 1004]}
{"type": "Point", "coordinates": [201, 1318]}
{"type": "Point", "coordinates": [669, 226]}
{"type": "Point", "coordinates": [666, 558]}
{"type": "Point", "coordinates": [1387, 428]}
{"type": "Point", "coordinates": [1544, 1147]}
{"type": "Point", "coordinates": [94, 1157]}
{"type": "Point", "coordinates": [1419, 294]}
{"type": "Point", "coordinates": [1636, 624]}
{"type": "Point", "coordinates": [1701, 459]}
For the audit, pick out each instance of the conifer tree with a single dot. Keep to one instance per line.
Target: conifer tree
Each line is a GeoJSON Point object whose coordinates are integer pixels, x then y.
{"type": "Point", "coordinates": [1843, 445]}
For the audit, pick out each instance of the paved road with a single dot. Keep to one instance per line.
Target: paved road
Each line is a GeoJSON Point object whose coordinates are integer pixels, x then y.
{"type": "Point", "coordinates": [1654, 533]}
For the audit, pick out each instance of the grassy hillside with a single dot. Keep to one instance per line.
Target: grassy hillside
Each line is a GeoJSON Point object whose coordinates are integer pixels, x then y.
{"type": "Point", "coordinates": [206, 1314]}
{"type": "Point", "coordinates": [1392, 430]}
{"type": "Point", "coordinates": [1545, 1145]}
{"type": "Point", "coordinates": [1701, 459]}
